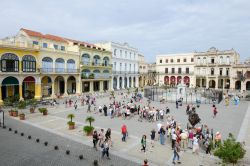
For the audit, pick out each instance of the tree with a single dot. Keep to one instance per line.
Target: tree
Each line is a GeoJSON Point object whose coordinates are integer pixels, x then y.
{"type": "Point", "coordinates": [71, 116]}
{"type": "Point", "coordinates": [230, 151]}
{"type": "Point", "coordinates": [90, 119]}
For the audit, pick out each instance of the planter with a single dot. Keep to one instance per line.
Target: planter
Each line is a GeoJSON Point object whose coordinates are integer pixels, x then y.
{"type": "Point", "coordinates": [10, 113]}
{"type": "Point", "coordinates": [88, 130]}
{"type": "Point", "coordinates": [90, 133]}
{"type": "Point", "coordinates": [45, 113]}
{"type": "Point", "coordinates": [15, 113]}
{"type": "Point", "coordinates": [32, 110]}
{"type": "Point", "coordinates": [71, 127]}
{"type": "Point", "coordinates": [22, 116]}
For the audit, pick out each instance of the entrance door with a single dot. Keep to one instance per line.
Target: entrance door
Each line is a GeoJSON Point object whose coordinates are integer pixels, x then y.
{"type": "Point", "coordinates": [61, 87]}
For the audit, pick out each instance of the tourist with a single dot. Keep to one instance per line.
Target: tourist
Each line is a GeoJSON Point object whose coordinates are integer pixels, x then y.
{"type": "Point", "coordinates": [167, 110]}
{"type": "Point", "coordinates": [101, 137]}
{"type": "Point", "coordinates": [105, 149]}
{"type": "Point", "coordinates": [143, 143]}
{"type": "Point", "coordinates": [174, 137]}
{"type": "Point", "coordinates": [162, 134]}
{"type": "Point", "coordinates": [184, 136]}
{"type": "Point", "coordinates": [196, 145]}
{"type": "Point", "coordinates": [95, 139]}
{"type": "Point", "coordinates": [124, 132]}
{"type": "Point", "coordinates": [217, 139]}
{"type": "Point", "coordinates": [89, 107]}
{"type": "Point", "coordinates": [108, 134]}
{"type": "Point", "coordinates": [215, 112]}
{"type": "Point", "coordinates": [75, 105]}
{"type": "Point", "coordinates": [176, 103]}
{"type": "Point", "coordinates": [152, 135]}
{"type": "Point", "coordinates": [208, 146]}
{"type": "Point", "coordinates": [145, 163]}
{"type": "Point", "coordinates": [176, 153]}
{"type": "Point", "coordinates": [105, 110]}
{"type": "Point", "coordinates": [100, 109]}
{"type": "Point", "coordinates": [190, 138]}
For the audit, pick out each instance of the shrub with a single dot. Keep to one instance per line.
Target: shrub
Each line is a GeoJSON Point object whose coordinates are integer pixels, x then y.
{"type": "Point", "coordinates": [42, 110]}
{"type": "Point", "coordinates": [71, 123]}
{"type": "Point", "coordinates": [88, 129]}
{"type": "Point", "coordinates": [21, 105]}
{"type": "Point", "coordinates": [230, 151]}
{"type": "Point", "coordinates": [90, 119]}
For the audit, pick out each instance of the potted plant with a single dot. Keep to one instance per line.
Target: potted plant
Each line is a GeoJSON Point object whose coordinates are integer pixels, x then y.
{"type": "Point", "coordinates": [44, 111]}
{"type": "Point", "coordinates": [89, 129]}
{"type": "Point", "coordinates": [15, 113]}
{"type": "Point", "coordinates": [22, 116]}
{"type": "Point", "coordinates": [11, 112]}
{"type": "Point", "coordinates": [33, 104]}
{"type": "Point", "coordinates": [71, 123]}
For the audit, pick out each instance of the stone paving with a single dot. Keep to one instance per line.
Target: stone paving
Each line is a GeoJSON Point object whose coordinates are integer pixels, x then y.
{"type": "Point", "coordinates": [229, 119]}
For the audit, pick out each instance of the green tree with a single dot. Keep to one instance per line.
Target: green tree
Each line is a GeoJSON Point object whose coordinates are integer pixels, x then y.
{"type": "Point", "coordinates": [90, 119]}
{"type": "Point", "coordinates": [70, 116]}
{"type": "Point", "coordinates": [230, 151]}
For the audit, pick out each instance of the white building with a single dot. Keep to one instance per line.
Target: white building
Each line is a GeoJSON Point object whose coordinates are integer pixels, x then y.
{"type": "Point", "coordinates": [172, 69]}
{"type": "Point", "coordinates": [125, 64]}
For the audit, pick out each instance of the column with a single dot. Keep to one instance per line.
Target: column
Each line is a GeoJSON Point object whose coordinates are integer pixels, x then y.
{"type": "Point", "coordinates": [207, 83]}
{"type": "Point", "coordinates": [1, 101]}
{"type": "Point", "coordinates": [21, 91]}
{"type": "Point", "coordinates": [111, 82]}
{"type": "Point", "coordinates": [136, 82]}
{"type": "Point", "coordinates": [232, 84]}
{"type": "Point", "coordinates": [78, 86]}
{"type": "Point", "coordinates": [123, 80]}
{"type": "Point", "coordinates": [65, 87]}
{"type": "Point", "coordinates": [216, 83]}
{"type": "Point", "coordinates": [38, 89]}
{"type": "Point", "coordinates": [101, 86]}
{"type": "Point", "coordinates": [53, 89]}
{"type": "Point", "coordinates": [243, 85]}
{"type": "Point", "coordinates": [132, 82]}
{"type": "Point", "coordinates": [118, 83]}
{"type": "Point", "coordinates": [200, 82]}
{"type": "Point", "coordinates": [91, 86]}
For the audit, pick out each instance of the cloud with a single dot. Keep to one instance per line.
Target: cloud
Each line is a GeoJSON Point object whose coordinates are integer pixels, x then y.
{"type": "Point", "coordinates": [153, 26]}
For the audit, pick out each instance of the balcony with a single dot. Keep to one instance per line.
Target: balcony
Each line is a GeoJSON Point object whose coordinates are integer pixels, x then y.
{"type": "Point", "coordinates": [211, 64]}
{"type": "Point", "coordinates": [125, 72]}
{"type": "Point", "coordinates": [58, 70]}
{"type": "Point", "coordinates": [92, 64]}
{"type": "Point", "coordinates": [175, 73]}
{"type": "Point", "coordinates": [201, 64]}
{"type": "Point", "coordinates": [15, 44]}
{"type": "Point", "coordinates": [224, 64]}
{"type": "Point", "coordinates": [95, 76]}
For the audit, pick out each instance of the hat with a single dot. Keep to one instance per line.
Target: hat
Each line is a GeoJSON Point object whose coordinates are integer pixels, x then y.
{"type": "Point", "coordinates": [217, 132]}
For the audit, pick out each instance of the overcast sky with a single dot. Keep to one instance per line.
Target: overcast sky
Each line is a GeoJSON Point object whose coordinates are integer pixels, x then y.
{"type": "Point", "coordinates": [152, 26]}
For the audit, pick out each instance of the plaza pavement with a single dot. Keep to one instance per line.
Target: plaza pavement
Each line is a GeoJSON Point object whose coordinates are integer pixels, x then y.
{"type": "Point", "coordinates": [229, 119]}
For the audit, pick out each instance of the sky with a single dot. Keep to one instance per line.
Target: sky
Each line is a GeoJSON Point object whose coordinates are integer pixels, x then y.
{"type": "Point", "coordinates": [153, 26]}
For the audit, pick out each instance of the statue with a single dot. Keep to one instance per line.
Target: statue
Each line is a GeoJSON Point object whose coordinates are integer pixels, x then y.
{"type": "Point", "coordinates": [193, 118]}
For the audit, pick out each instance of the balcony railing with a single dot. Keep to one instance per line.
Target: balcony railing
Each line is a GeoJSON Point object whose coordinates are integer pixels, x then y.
{"type": "Point", "coordinates": [176, 73]}
{"type": "Point", "coordinates": [96, 76]}
{"type": "Point", "coordinates": [125, 72]}
{"type": "Point", "coordinates": [58, 70]}
{"type": "Point", "coordinates": [96, 64]}
{"type": "Point", "coordinates": [18, 44]}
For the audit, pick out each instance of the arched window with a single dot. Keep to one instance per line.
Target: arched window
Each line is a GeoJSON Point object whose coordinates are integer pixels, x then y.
{"type": "Point", "coordinates": [47, 64]}
{"type": "Point", "coordinates": [106, 74]}
{"type": "Point", "coordinates": [115, 51]}
{"type": "Point", "coordinates": [97, 73]}
{"type": "Point", "coordinates": [228, 60]}
{"type": "Point", "coordinates": [105, 61]}
{"type": "Point", "coordinates": [71, 66]}
{"type": "Point", "coordinates": [60, 65]}
{"type": "Point", "coordinates": [85, 73]}
{"type": "Point", "coordinates": [9, 63]}
{"type": "Point", "coordinates": [96, 60]}
{"type": "Point", "coordinates": [221, 60]}
{"type": "Point", "coordinates": [85, 59]}
{"type": "Point", "coordinates": [29, 63]}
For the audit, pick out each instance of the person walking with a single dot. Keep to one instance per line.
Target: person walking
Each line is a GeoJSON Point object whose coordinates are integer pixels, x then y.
{"type": "Point", "coordinates": [124, 132]}
{"type": "Point", "coordinates": [95, 139]}
{"type": "Point", "coordinates": [143, 143]}
{"type": "Point", "coordinates": [152, 135]}
{"type": "Point", "coordinates": [105, 110]}
{"type": "Point", "coordinates": [176, 103]}
{"type": "Point", "coordinates": [162, 134]}
{"type": "Point", "coordinates": [174, 137]}
{"type": "Point", "coordinates": [89, 107]}
{"type": "Point", "coordinates": [184, 136]}
{"type": "Point", "coordinates": [176, 154]}
{"type": "Point", "coordinates": [105, 149]}
{"type": "Point", "coordinates": [215, 112]}
{"type": "Point", "coordinates": [196, 145]}
{"type": "Point", "coordinates": [101, 137]}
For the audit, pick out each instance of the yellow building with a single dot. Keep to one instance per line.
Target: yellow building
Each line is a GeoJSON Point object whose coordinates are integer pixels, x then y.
{"type": "Point", "coordinates": [18, 72]}
{"type": "Point", "coordinates": [96, 68]}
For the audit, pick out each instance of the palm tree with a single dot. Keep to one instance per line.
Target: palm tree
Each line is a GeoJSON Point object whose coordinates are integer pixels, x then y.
{"type": "Point", "coordinates": [90, 119]}
{"type": "Point", "coordinates": [71, 116]}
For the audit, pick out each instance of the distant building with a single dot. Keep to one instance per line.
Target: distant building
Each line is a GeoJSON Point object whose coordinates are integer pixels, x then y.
{"type": "Point", "coordinates": [125, 64]}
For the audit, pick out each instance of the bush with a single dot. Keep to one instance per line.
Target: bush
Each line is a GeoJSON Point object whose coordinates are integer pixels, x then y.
{"type": "Point", "coordinates": [71, 123]}
{"type": "Point", "coordinates": [42, 110]}
{"type": "Point", "coordinates": [9, 101]}
{"type": "Point", "coordinates": [88, 129]}
{"type": "Point", "coordinates": [21, 105]}
{"type": "Point", "coordinates": [230, 151]}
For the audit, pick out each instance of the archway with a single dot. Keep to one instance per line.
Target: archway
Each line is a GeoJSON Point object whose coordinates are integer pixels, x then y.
{"type": "Point", "coordinates": [97, 60]}
{"type": "Point", "coordinates": [46, 86]}
{"type": "Point", "coordinates": [114, 83]}
{"type": "Point", "coordinates": [178, 79]}
{"type": "Point", "coordinates": [10, 88]}
{"type": "Point", "coordinates": [59, 86]}
{"type": "Point", "coordinates": [47, 64]}
{"type": "Point", "coordinates": [238, 85]}
{"type": "Point", "coordinates": [71, 85]}
{"type": "Point", "coordinates": [29, 87]}
{"type": "Point", "coordinates": [186, 80]}
{"type": "Point", "coordinates": [134, 82]}
{"type": "Point", "coordinates": [211, 84]}
{"type": "Point", "coordinates": [120, 82]}
{"type": "Point", "coordinates": [166, 80]}
{"type": "Point", "coordinates": [248, 85]}
{"type": "Point", "coordinates": [227, 83]}
{"type": "Point", "coordinates": [105, 85]}
{"type": "Point", "coordinates": [172, 79]}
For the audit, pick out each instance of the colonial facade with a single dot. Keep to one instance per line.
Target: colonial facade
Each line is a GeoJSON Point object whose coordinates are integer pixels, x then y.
{"type": "Point", "coordinates": [173, 69]}
{"type": "Point", "coordinates": [36, 65]}
{"type": "Point", "coordinates": [211, 69]}
{"type": "Point", "coordinates": [147, 73]}
{"type": "Point", "coordinates": [125, 65]}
